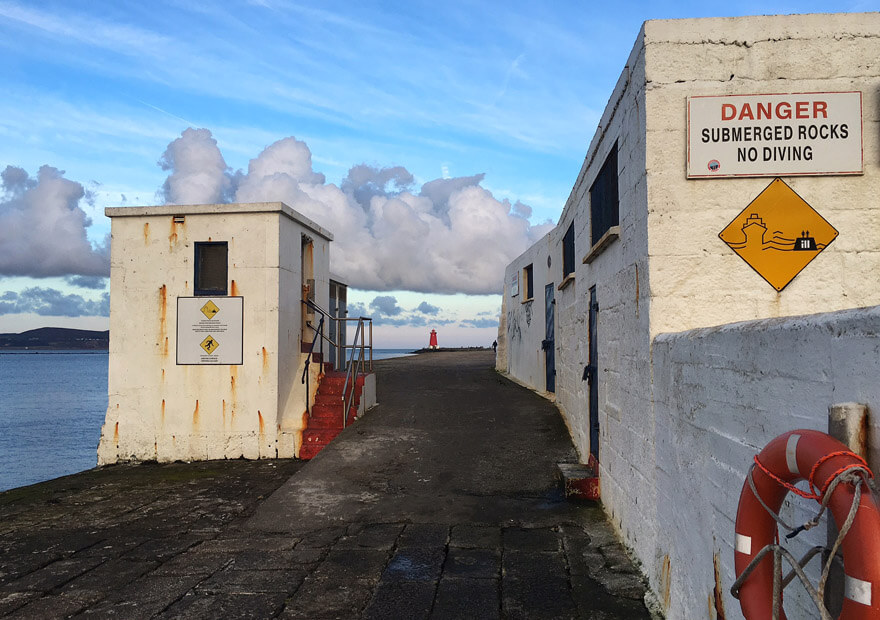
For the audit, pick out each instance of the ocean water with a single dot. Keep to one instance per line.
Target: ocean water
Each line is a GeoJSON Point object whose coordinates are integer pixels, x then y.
{"type": "Point", "coordinates": [52, 406]}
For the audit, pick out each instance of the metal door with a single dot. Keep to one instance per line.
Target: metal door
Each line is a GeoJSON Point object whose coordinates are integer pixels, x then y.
{"type": "Point", "coordinates": [549, 344]}
{"type": "Point", "coordinates": [591, 373]}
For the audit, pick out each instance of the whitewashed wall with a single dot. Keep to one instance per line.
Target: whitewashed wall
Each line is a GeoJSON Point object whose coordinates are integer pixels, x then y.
{"type": "Point", "coordinates": [524, 318]}
{"type": "Point", "coordinates": [669, 271]}
{"type": "Point", "coordinates": [721, 394]}
{"type": "Point", "coordinates": [696, 280]}
{"type": "Point", "coordinates": [161, 411]}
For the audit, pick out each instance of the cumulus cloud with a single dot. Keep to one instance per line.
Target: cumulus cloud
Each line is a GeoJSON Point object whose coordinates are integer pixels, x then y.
{"type": "Point", "coordinates": [43, 227]}
{"type": "Point", "coordinates": [447, 236]}
{"type": "Point", "coordinates": [386, 310]}
{"type": "Point", "coordinates": [199, 174]}
{"type": "Point", "coordinates": [385, 305]}
{"type": "Point", "coordinates": [426, 308]}
{"type": "Point", "coordinates": [52, 302]}
{"type": "Point", "coordinates": [93, 282]}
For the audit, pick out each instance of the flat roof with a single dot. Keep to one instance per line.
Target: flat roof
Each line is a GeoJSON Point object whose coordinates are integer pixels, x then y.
{"type": "Point", "coordinates": [224, 209]}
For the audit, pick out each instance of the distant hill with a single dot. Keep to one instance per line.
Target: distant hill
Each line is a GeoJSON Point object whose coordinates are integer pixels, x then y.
{"type": "Point", "coordinates": [56, 338]}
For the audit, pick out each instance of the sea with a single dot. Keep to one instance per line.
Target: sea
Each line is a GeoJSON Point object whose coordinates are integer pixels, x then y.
{"type": "Point", "coordinates": [52, 406]}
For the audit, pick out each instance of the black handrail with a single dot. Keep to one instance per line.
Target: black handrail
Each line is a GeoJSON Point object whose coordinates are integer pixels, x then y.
{"type": "Point", "coordinates": [319, 333]}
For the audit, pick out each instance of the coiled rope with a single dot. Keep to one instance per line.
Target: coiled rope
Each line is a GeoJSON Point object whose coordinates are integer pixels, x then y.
{"type": "Point", "coordinates": [858, 474]}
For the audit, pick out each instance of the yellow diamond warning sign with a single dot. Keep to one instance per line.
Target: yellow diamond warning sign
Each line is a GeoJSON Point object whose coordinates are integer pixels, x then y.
{"type": "Point", "coordinates": [778, 234]}
{"type": "Point", "coordinates": [210, 309]}
{"type": "Point", "coordinates": [210, 345]}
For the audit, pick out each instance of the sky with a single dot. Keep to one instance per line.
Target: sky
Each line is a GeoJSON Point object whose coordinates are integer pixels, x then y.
{"type": "Point", "coordinates": [437, 141]}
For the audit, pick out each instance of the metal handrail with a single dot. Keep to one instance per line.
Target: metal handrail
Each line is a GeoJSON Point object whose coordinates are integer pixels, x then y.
{"type": "Point", "coordinates": [320, 332]}
{"type": "Point", "coordinates": [354, 366]}
{"type": "Point", "coordinates": [353, 371]}
{"type": "Point", "coordinates": [364, 346]}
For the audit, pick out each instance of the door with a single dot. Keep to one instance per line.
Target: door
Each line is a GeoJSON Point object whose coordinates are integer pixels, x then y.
{"type": "Point", "coordinates": [549, 344]}
{"type": "Point", "coordinates": [592, 374]}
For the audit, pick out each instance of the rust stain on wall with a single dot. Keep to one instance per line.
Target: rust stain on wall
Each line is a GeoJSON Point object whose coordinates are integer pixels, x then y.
{"type": "Point", "coordinates": [163, 312]}
{"type": "Point", "coordinates": [233, 374]}
{"type": "Point", "coordinates": [719, 601]}
{"type": "Point", "coordinates": [223, 410]}
{"type": "Point", "coordinates": [163, 411]}
{"type": "Point", "coordinates": [146, 233]}
{"type": "Point", "coordinates": [172, 237]}
{"type": "Point", "coordinates": [196, 414]}
{"type": "Point", "coordinates": [666, 582]}
{"type": "Point", "coordinates": [265, 360]}
{"type": "Point", "coordinates": [116, 434]}
{"type": "Point", "coordinates": [262, 424]}
{"type": "Point", "coordinates": [233, 289]}
{"type": "Point", "coordinates": [165, 351]}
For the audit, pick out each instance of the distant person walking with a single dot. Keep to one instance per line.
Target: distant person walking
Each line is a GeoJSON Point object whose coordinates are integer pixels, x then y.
{"type": "Point", "coordinates": [432, 341]}
{"type": "Point", "coordinates": [495, 346]}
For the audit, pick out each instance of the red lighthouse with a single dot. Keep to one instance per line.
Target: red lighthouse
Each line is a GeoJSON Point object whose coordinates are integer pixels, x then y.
{"type": "Point", "coordinates": [432, 342]}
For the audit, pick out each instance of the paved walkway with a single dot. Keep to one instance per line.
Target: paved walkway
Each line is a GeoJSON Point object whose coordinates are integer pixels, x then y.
{"type": "Point", "coordinates": [440, 503]}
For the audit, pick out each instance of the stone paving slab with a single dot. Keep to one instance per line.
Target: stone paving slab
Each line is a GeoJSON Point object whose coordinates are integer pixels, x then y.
{"type": "Point", "coordinates": [441, 503]}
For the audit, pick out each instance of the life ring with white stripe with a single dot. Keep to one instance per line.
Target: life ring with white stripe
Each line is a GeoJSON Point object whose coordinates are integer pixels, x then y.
{"type": "Point", "coordinates": [818, 458]}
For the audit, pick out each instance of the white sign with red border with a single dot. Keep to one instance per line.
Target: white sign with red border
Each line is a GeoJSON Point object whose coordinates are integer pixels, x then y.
{"type": "Point", "coordinates": [774, 135]}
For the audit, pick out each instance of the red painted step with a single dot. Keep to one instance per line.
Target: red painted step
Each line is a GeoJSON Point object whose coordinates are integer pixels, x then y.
{"type": "Point", "coordinates": [325, 420]}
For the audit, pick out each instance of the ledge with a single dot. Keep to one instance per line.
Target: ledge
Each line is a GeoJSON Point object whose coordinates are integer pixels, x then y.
{"type": "Point", "coordinates": [566, 281]}
{"type": "Point", "coordinates": [610, 235]}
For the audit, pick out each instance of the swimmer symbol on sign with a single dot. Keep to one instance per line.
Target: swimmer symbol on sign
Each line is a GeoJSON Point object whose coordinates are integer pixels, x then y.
{"type": "Point", "coordinates": [210, 309]}
{"type": "Point", "coordinates": [210, 345]}
{"type": "Point", "coordinates": [778, 234]}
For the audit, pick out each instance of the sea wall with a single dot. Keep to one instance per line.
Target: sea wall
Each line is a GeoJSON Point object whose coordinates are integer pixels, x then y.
{"type": "Point", "coordinates": [720, 395]}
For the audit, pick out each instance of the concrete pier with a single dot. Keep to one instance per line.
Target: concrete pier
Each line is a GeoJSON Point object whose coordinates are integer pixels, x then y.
{"type": "Point", "coordinates": [443, 502]}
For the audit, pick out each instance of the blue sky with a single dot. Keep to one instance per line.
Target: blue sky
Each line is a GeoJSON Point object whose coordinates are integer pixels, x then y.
{"type": "Point", "coordinates": [412, 93]}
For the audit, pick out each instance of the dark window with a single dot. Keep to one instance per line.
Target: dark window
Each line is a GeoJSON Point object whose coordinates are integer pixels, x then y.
{"type": "Point", "coordinates": [211, 268]}
{"type": "Point", "coordinates": [528, 283]}
{"type": "Point", "coordinates": [604, 202]}
{"type": "Point", "coordinates": [568, 251]}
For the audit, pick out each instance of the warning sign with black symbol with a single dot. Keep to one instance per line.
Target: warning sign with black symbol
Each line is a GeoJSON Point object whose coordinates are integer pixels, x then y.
{"type": "Point", "coordinates": [210, 331]}
{"type": "Point", "coordinates": [778, 234]}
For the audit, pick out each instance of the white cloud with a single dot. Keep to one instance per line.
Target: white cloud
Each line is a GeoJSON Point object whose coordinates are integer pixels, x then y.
{"type": "Point", "coordinates": [43, 229]}
{"type": "Point", "coordinates": [448, 236]}
{"type": "Point", "coordinates": [199, 173]}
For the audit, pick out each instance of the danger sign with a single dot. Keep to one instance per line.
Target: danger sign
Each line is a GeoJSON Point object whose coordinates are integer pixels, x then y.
{"type": "Point", "coordinates": [774, 135]}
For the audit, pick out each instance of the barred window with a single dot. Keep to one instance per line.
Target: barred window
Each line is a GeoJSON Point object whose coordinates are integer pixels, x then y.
{"type": "Point", "coordinates": [211, 264]}
{"type": "Point", "coordinates": [568, 251]}
{"type": "Point", "coordinates": [604, 201]}
{"type": "Point", "coordinates": [528, 283]}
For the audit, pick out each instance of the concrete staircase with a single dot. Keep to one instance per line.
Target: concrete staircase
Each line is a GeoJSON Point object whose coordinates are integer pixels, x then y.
{"type": "Point", "coordinates": [325, 421]}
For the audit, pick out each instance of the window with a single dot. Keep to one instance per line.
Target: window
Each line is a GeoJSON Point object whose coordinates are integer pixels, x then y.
{"type": "Point", "coordinates": [604, 202]}
{"type": "Point", "coordinates": [568, 251]}
{"type": "Point", "coordinates": [211, 268]}
{"type": "Point", "coordinates": [528, 283]}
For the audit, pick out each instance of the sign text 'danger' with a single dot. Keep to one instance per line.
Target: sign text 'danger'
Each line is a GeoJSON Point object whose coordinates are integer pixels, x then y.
{"type": "Point", "coordinates": [773, 135]}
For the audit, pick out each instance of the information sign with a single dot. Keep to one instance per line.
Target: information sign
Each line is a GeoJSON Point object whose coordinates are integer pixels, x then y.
{"type": "Point", "coordinates": [210, 330]}
{"type": "Point", "coordinates": [774, 135]}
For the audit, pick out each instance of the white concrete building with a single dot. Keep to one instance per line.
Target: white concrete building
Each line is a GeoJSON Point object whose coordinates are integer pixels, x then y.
{"type": "Point", "coordinates": [208, 331]}
{"type": "Point", "coordinates": [657, 237]}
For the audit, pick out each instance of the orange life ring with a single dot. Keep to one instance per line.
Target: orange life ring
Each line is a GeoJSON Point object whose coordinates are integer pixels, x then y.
{"type": "Point", "coordinates": [817, 457]}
